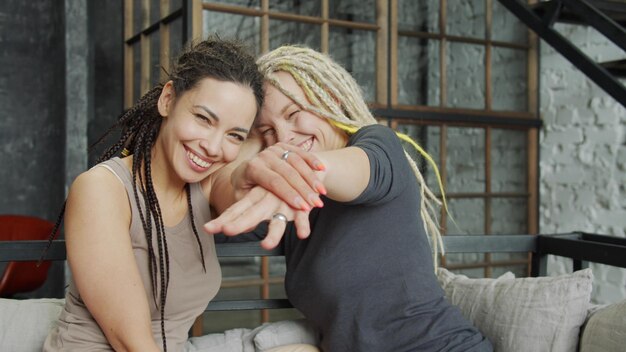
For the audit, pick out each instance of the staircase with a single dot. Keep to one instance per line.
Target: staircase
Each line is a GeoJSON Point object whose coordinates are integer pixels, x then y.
{"type": "Point", "coordinates": [607, 17]}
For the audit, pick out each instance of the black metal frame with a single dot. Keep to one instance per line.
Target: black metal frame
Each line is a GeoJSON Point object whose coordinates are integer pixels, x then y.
{"type": "Point", "coordinates": [591, 16]}
{"type": "Point", "coordinates": [581, 247]}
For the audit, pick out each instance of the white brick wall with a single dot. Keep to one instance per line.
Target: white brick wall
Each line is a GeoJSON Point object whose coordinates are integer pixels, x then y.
{"type": "Point", "coordinates": [583, 155]}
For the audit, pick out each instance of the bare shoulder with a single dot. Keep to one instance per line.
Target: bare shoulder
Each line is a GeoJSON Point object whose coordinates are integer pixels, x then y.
{"type": "Point", "coordinates": [98, 196]}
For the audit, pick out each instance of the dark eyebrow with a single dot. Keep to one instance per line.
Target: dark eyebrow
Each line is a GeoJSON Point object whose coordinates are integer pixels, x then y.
{"type": "Point", "coordinates": [208, 111]}
{"type": "Point", "coordinates": [216, 118]}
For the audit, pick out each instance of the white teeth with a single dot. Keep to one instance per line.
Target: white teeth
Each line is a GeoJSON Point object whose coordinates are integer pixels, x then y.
{"type": "Point", "coordinates": [197, 160]}
{"type": "Point", "coordinates": [306, 146]}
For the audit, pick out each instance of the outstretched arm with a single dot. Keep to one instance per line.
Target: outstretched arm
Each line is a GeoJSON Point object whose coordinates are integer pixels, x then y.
{"type": "Point", "coordinates": [346, 176]}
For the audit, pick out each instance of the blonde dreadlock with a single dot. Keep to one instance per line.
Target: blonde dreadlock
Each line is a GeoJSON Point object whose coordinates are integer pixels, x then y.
{"type": "Point", "coordinates": [333, 93]}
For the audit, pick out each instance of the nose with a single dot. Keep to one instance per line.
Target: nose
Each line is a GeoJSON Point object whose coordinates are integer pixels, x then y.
{"type": "Point", "coordinates": [284, 134]}
{"type": "Point", "coordinates": [212, 144]}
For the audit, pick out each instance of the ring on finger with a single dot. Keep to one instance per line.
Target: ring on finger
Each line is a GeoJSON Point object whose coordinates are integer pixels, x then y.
{"type": "Point", "coordinates": [285, 155]}
{"type": "Point", "coordinates": [279, 216]}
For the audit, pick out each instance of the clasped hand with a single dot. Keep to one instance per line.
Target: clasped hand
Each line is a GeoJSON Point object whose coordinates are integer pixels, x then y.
{"type": "Point", "coordinates": [273, 183]}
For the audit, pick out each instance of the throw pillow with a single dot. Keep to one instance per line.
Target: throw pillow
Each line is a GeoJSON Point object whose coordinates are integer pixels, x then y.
{"type": "Point", "coordinates": [24, 324]}
{"type": "Point", "coordinates": [605, 330]}
{"type": "Point", "coordinates": [523, 314]}
{"type": "Point", "coordinates": [286, 332]}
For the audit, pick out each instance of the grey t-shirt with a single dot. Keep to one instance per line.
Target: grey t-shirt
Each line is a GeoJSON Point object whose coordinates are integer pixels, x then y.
{"type": "Point", "coordinates": [364, 278]}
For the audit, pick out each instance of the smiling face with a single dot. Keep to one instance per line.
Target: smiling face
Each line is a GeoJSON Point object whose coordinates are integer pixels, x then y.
{"type": "Point", "coordinates": [204, 127]}
{"type": "Point", "coordinates": [282, 120]}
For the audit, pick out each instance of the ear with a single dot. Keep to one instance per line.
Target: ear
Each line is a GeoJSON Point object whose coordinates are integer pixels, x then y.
{"type": "Point", "coordinates": [166, 99]}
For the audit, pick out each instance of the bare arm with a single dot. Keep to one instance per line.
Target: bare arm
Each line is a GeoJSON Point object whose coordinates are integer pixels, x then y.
{"type": "Point", "coordinates": [103, 265]}
{"type": "Point", "coordinates": [347, 175]}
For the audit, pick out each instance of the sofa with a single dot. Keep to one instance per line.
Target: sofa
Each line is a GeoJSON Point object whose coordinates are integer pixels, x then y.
{"type": "Point", "coordinates": [516, 314]}
{"type": "Point", "coordinates": [539, 313]}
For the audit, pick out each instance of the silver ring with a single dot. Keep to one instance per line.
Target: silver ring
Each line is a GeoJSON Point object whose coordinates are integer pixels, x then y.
{"type": "Point", "coordinates": [279, 216]}
{"type": "Point", "coordinates": [285, 155]}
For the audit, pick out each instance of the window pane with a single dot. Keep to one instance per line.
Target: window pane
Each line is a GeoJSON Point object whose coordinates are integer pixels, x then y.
{"type": "Point", "coordinates": [306, 8]}
{"type": "Point", "coordinates": [469, 219]}
{"type": "Point", "coordinates": [506, 27]}
{"type": "Point", "coordinates": [355, 50]}
{"type": "Point", "coordinates": [176, 37]}
{"type": "Point", "coordinates": [465, 164]}
{"type": "Point", "coordinates": [175, 5]}
{"type": "Point", "coordinates": [138, 14]}
{"type": "Point", "coordinates": [420, 15]}
{"type": "Point", "coordinates": [228, 25]}
{"type": "Point", "coordinates": [426, 137]}
{"type": "Point", "coordinates": [419, 80]}
{"type": "Point", "coordinates": [508, 74]}
{"type": "Point", "coordinates": [508, 161]}
{"type": "Point", "coordinates": [353, 10]}
{"type": "Point", "coordinates": [136, 71]}
{"type": "Point", "coordinates": [509, 216]}
{"type": "Point", "coordinates": [283, 32]}
{"type": "Point", "coordinates": [465, 69]}
{"type": "Point", "coordinates": [155, 11]}
{"type": "Point", "coordinates": [242, 3]}
{"type": "Point", "coordinates": [466, 18]}
{"type": "Point", "coordinates": [155, 59]}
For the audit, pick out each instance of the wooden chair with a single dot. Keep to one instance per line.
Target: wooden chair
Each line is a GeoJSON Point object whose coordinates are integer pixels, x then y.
{"type": "Point", "coordinates": [23, 276]}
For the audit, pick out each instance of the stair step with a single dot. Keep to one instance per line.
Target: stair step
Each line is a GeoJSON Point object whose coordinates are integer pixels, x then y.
{"type": "Point", "coordinates": [616, 68]}
{"type": "Point", "coordinates": [616, 10]}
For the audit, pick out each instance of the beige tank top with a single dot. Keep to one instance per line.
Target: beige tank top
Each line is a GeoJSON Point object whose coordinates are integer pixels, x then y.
{"type": "Point", "coordinates": [190, 288]}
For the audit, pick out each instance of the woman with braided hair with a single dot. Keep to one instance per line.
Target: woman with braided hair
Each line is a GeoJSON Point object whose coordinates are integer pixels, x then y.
{"type": "Point", "coordinates": [141, 271]}
{"type": "Point", "coordinates": [365, 276]}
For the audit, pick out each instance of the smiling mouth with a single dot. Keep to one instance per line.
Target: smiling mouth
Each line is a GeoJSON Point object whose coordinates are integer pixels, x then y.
{"type": "Point", "coordinates": [197, 160]}
{"type": "Point", "coordinates": [306, 145]}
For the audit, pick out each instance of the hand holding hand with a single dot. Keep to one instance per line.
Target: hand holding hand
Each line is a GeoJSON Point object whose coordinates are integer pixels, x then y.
{"type": "Point", "coordinates": [285, 170]}
{"type": "Point", "coordinates": [256, 206]}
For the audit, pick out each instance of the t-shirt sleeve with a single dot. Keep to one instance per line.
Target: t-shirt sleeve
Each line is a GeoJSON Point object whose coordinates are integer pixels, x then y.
{"type": "Point", "coordinates": [390, 171]}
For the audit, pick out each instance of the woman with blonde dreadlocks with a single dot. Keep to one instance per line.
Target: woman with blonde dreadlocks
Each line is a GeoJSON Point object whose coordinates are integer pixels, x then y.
{"type": "Point", "coordinates": [141, 272]}
{"type": "Point", "coordinates": [365, 276]}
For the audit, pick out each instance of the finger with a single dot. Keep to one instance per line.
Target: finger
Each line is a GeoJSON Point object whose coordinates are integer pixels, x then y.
{"type": "Point", "coordinates": [311, 160]}
{"type": "Point", "coordinates": [233, 212]}
{"type": "Point", "coordinates": [275, 232]}
{"type": "Point", "coordinates": [292, 169]}
{"type": "Point", "coordinates": [297, 159]}
{"type": "Point", "coordinates": [247, 220]}
{"type": "Point", "coordinates": [303, 227]}
{"type": "Point", "coordinates": [264, 174]}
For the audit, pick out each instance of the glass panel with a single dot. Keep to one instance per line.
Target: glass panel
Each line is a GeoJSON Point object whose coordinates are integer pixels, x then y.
{"type": "Point", "coordinates": [353, 10]}
{"type": "Point", "coordinates": [306, 8]}
{"type": "Point", "coordinates": [356, 51]}
{"type": "Point", "coordinates": [175, 5]}
{"type": "Point", "coordinates": [136, 71]}
{"type": "Point", "coordinates": [155, 11]}
{"type": "Point", "coordinates": [506, 27]}
{"type": "Point", "coordinates": [138, 13]}
{"type": "Point", "coordinates": [176, 37]}
{"type": "Point", "coordinates": [508, 161]}
{"type": "Point", "coordinates": [465, 164]}
{"type": "Point", "coordinates": [228, 25]}
{"type": "Point", "coordinates": [284, 32]}
{"type": "Point", "coordinates": [466, 18]}
{"type": "Point", "coordinates": [420, 15]}
{"type": "Point", "coordinates": [155, 60]}
{"type": "Point", "coordinates": [419, 80]}
{"type": "Point", "coordinates": [509, 216]}
{"type": "Point", "coordinates": [465, 69]}
{"type": "Point", "coordinates": [468, 217]}
{"type": "Point", "coordinates": [242, 3]}
{"type": "Point", "coordinates": [509, 87]}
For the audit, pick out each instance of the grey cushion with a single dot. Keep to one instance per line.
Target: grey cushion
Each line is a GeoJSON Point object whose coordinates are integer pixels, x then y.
{"type": "Point", "coordinates": [523, 314]}
{"type": "Point", "coordinates": [24, 324]}
{"type": "Point", "coordinates": [605, 330]}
